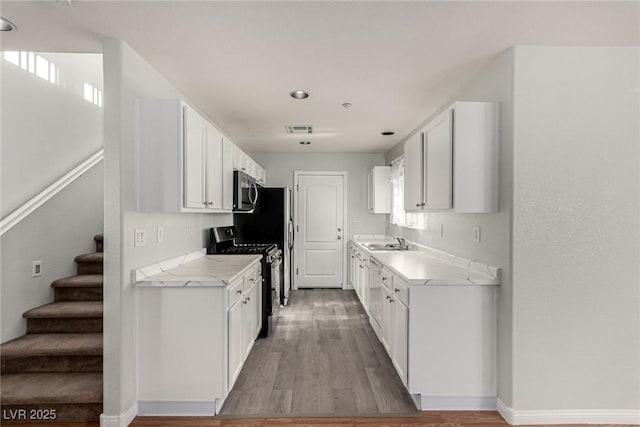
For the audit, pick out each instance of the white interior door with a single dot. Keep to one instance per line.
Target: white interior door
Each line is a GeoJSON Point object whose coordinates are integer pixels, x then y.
{"type": "Point", "coordinates": [320, 230]}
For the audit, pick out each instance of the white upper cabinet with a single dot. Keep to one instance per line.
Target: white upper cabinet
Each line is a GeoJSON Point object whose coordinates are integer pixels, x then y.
{"type": "Point", "coordinates": [213, 168]}
{"type": "Point", "coordinates": [453, 162]}
{"type": "Point", "coordinates": [202, 162]}
{"type": "Point", "coordinates": [194, 160]}
{"type": "Point", "coordinates": [438, 143]}
{"type": "Point", "coordinates": [184, 163]}
{"type": "Point", "coordinates": [228, 149]}
{"type": "Point", "coordinates": [379, 190]}
{"type": "Point", "coordinates": [244, 163]}
{"type": "Point", "coordinates": [413, 174]}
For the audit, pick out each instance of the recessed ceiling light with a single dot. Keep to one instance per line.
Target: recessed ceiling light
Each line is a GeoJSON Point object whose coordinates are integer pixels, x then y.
{"type": "Point", "coordinates": [6, 25]}
{"type": "Point", "coordinates": [387, 133]}
{"type": "Point", "coordinates": [346, 105]}
{"type": "Point", "coordinates": [299, 94]}
{"type": "Point", "coordinates": [305, 142]}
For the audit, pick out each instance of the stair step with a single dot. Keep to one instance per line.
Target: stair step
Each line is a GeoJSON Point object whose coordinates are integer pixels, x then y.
{"type": "Point", "coordinates": [90, 263]}
{"type": "Point", "coordinates": [52, 353]}
{"type": "Point", "coordinates": [72, 397]}
{"type": "Point", "coordinates": [99, 239]}
{"type": "Point", "coordinates": [65, 317]}
{"type": "Point", "coordinates": [83, 287]}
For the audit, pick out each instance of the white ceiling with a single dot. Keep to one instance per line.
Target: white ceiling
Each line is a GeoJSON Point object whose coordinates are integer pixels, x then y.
{"type": "Point", "coordinates": [396, 62]}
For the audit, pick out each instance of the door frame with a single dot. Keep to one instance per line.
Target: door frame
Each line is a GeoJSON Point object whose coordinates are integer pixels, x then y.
{"type": "Point", "coordinates": [296, 182]}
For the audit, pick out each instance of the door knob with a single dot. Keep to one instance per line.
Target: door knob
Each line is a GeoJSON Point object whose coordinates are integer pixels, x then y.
{"type": "Point", "coordinates": [339, 237]}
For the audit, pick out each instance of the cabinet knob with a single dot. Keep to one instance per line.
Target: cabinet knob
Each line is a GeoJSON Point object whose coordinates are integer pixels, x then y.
{"type": "Point", "coordinates": [390, 300]}
{"type": "Point", "coordinates": [396, 290]}
{"type": "Point", "coordinates": [239, 291]}
{"type": "Point", "coordinates": [248, 298]}
{"type": "Point", "coordinates": [252, 279]}
{"type": "Point", "coordinates": [417, 205]}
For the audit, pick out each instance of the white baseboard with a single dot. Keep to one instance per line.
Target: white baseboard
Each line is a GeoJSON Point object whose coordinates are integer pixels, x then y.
{"type": "Point", "coordinates": [569, 416]}
{"type": "Point", "coordinates": [458, 403]}
{"type": "Point", "coordinates": [122, 420]}
{"type": "Point", "coordinates": [179, 408]}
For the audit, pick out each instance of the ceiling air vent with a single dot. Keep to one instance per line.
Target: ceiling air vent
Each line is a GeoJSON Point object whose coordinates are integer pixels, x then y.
{"type": "Point", "coordinates": [299, 129]}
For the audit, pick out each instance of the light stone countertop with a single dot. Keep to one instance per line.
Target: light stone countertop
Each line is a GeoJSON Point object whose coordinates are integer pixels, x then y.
{"type": "Point", "coordinates": [427, 266]}
{"type": "Point", "coordinates": [195, 270]}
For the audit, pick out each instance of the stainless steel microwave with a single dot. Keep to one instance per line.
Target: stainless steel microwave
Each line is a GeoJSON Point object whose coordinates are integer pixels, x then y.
{"type": "Point", "coordinates": [245, 192]}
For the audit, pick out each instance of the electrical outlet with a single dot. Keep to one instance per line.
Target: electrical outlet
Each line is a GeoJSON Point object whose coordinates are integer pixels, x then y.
{"type": "Point", "coordinates": [160, 234]}
{"type": "Point", "coordinates": [476, 234]}
{"type": "Point", "coordinates": [36, 269]}
{"type": "Point", "coordinates": [139, 237]}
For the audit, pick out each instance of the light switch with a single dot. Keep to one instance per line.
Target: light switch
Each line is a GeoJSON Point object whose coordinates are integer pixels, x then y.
{"type": "Point", "coordinates": [160, 234]}
{"type": "Point", "coordinates": [476, 234]}
{"type": "Point", "coordinates": [139, 237]}
{"type": "Point", "coordinates": [36, 269]}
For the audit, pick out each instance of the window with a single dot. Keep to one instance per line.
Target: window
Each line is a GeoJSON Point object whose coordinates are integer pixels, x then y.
{"type": "Point", "coordinates": [398, 215]}
{"type": "Point", "coordinates": [92, 95]}
{"type": "Point", "coordinates": [35, 64]}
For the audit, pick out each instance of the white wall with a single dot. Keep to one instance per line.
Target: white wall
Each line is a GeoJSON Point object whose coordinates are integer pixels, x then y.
{"type": "Point", "coordinates": [55, 233]}
{"type": "Point", "coordinates": [280, 168]}
{"type": "Point", "coordinates": [128, 77]}
{"type": "Point", "coordinates": [47, 129]}
{"type": "Point", "coordinates": [568, 232]}
{"type": "Point", "coordinates": [492, 84]}
{"type": "Point", "coordinates": [576, 307]}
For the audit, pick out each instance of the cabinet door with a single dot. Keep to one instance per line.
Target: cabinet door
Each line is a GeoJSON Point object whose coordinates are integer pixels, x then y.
{"type": "Point", "coordinates": [375, 291]}
{"type": "Point", "coordinates": [400, 338]}
{"type": "Point", "coordinates": [438, 162]}
{"type": "Point", "coordinates": [227, 174]}
{"type": "Point", "coordinates": [249, 320]}
{"type": "Point", "coordinates": [413, 178]}
{"type": "Point", "coordinates": [387, 320]}
{"type": "Point", "coordinates": [370, 192]}
{"type": "Point", "coordinates": [213, 168]}
{"type": "Point", "coordinates": [236, 342]}
{"type": "Point", "coordinates": [256, 301]}
{"type": "Point", "coordinates": [194, 159]}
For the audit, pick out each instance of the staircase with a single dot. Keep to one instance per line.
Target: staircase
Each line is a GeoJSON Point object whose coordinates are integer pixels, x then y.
{"type": "Point", "coordinates": [54, 372]}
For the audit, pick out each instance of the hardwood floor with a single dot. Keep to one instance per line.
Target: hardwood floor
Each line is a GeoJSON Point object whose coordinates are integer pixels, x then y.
{"type": "Point", "coordinates": [322, 359]}
{"type": "Point", "coordinates": [425, 419]}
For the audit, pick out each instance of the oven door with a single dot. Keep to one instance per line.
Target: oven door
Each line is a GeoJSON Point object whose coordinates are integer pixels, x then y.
{"type": "Point", "coordinates": [245, 192]}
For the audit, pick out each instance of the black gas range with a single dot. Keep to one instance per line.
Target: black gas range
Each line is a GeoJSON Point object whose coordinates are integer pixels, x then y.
{"type": "Point", "coordinates": [223, 241]}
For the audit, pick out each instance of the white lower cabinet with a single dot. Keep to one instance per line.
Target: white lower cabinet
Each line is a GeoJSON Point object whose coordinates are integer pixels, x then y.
{"type": "Point", "coordinates": [400, 340]}
{"type": "Point", "coordinates": [236, 347]}
{"type": "Point", "coordinates": [442, 339]}
{"type": "Point", "coordinates": [395, 322]}
{"type": "Point", "coordinates": [193, 341]}
{"type": "Point", "coordinates": [387, 319]}
{"type": "Point", "coordinates": [243, 321]}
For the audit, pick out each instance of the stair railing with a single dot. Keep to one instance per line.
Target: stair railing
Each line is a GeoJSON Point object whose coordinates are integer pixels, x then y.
{"type": "Point", "coordinates": [11, 220]}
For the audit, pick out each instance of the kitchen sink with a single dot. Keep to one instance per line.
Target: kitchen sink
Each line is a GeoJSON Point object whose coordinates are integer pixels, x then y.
{"type": "Point", "coordinates": [386, 247]}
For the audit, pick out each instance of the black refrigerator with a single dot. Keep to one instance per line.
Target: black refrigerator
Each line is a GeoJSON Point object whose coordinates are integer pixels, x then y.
{"type": "Point", "coordinates": [271, 222]}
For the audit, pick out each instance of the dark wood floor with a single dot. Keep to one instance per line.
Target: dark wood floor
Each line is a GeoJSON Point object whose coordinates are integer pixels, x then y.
{"type": "Point", "coordinates": [322, 359]}
{"type": "Point", "coordinates": [426, 419]}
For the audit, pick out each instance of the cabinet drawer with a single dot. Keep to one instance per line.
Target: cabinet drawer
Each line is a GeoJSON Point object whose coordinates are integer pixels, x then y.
{"type": "Point", "coordinates": [386, 279]}
{"type": "Point", "coordinates": [401, 291]}
{"type": "Point", "coordinates": [234, 292]}
{"type": "Point", "coordinates": [249, 279]}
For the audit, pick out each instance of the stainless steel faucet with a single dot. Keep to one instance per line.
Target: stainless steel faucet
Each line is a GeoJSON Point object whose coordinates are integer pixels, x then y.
{"type": "Point", "coordinates": [402, 242]}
